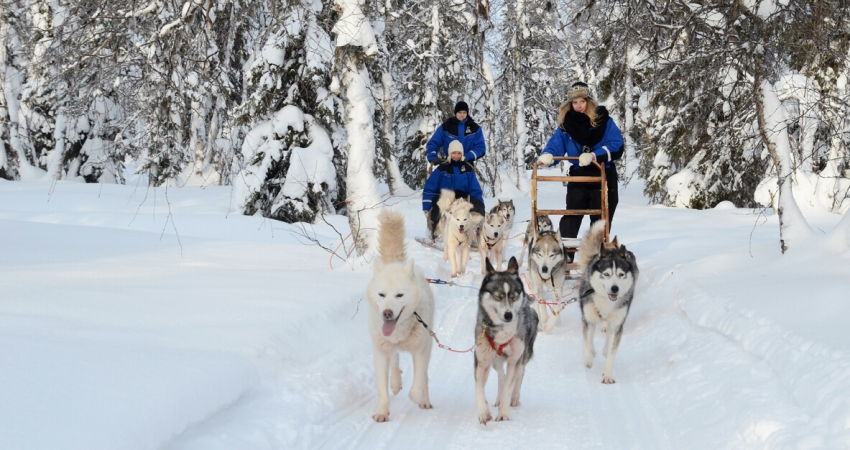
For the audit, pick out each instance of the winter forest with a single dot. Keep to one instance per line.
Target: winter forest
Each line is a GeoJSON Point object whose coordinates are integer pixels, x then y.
{"type": "Point", "coordinates": [304, 106]}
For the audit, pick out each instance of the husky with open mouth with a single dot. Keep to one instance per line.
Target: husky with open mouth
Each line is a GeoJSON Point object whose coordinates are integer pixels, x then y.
{"type": "Point", "coordinates": [607, 288]}
{"type": "Point", "coordinates": [397, 293]}
{"type": "Point", "coordinates": [505, 332]}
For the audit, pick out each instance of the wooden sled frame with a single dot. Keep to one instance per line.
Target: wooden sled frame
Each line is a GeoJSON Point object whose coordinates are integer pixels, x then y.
{"type": "Point", "coordinates": [603, 213]}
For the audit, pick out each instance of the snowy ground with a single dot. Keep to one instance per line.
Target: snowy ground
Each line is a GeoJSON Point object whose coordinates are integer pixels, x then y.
{"type": "Point", "coordinates": [136, 318]}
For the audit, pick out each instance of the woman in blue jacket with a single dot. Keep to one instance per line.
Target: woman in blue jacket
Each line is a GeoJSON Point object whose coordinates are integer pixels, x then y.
{"type": "Point", "coordinates": [461, 128]}
{"type": "Point", "coordinates": [457, 175]}
{"type": "Point", "coordinates": [585, 130]}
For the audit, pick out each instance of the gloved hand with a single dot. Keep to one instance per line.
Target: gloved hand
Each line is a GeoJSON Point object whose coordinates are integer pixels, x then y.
{"type": "Point", "coordinates": [545, 159]}
{"type": "Point", "coordinates": [586, 158]}
{"type": "Point", "coordinates": [435, 161]}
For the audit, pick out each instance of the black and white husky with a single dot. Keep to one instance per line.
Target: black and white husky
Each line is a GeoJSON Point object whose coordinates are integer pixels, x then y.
{"type": "Point", "coordinates": [610, 273]}
{"type": "Point", "coordinates": [544, 223]}
{"type": "Point", "coordinates": [547, 269]}
{"type": "Point", "coordinates": [504, 333]}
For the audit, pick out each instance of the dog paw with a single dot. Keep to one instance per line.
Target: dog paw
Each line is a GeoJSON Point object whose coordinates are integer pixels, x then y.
{"type": "Point", "coordinates": [588, 362]}
{"type": "Point", "coordinates": [426, 405]}
{"type": "Point", "coordinates": [502, 418]}
{"type": "Point", "coordinates": [515, 403]}
{"type": "Point", "coordinates": [604, 327]}
{"type": "Point", "coordinates": [608, 379]}
{"type": "Point", "coordinates": [483, 418]}
{"type": "Point", "coordinates": [415, 395]}
{"type": "Point", "coordinates": [396, 386]}
{"type": "Point", "coordinates": [381, 418]}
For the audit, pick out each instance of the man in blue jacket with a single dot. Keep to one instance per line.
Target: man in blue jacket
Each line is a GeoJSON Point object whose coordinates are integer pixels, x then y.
{"type": "Point", "coordinates": [461, 128]}
{"type": "Point", "coordinates": [457, 175]}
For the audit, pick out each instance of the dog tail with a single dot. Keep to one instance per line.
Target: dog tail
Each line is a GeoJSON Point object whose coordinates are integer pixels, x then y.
{"type": "Point", "coordinates": [447, 196]}
{"type": "Point", "coordinates": [590, 244]}
{"type": "Point", "coordinates": [391, 237]}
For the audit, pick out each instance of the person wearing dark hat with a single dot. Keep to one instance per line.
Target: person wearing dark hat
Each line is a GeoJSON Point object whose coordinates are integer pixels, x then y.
{"type": "Point", "coordinates": [585, 130]}
{"type": "Point", "coordinates": [459, 127]}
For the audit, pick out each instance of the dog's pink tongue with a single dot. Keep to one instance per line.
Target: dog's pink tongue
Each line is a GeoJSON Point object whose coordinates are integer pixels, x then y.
{"type": "Point", "coordinates": [389, 327]}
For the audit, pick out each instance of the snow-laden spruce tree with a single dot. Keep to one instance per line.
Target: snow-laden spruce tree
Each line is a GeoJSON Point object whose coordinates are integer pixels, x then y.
{"type": "Point", "coordinates": [534, 80]}
{"type": "Point", "coordinates": [287, 166]}
{"type": "Point", "coordinates": [355, 45]}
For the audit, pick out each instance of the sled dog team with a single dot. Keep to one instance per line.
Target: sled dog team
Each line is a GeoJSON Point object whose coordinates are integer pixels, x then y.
{"type": "Point", "coordinates": [401, 304]}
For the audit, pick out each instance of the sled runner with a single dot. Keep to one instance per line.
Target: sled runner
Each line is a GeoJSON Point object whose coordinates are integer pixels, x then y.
{"type": "Point", "coordinates": [436, 244]}
{"type": "Point", "coordinates": [571, 245]}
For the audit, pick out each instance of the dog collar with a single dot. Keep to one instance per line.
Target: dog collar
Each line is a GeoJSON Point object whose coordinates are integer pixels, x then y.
{"type": "Point", "coordinates": [501, 347]}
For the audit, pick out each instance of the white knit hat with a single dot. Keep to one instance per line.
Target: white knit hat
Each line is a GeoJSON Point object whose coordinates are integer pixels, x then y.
{"type": "Point", "coordinates": [456, 146]}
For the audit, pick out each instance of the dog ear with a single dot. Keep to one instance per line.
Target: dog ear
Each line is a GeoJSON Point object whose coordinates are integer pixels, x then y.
{"type": "Point", "coordinates": [602, 248]}
{"type": "Point", "coordinates": [615, 243]}
{"type": "Point", "coordinates": [513, 266]}
{"type": "Point", "coordinates": [490, 269]}
{"type": "Point", "coordinates": [622, 251]}
{"type": "Point", "coordinates": [408, 268]}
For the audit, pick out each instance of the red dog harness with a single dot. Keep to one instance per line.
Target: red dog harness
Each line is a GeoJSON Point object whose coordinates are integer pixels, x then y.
{"type": "Point", "coordinates": [501, 347]}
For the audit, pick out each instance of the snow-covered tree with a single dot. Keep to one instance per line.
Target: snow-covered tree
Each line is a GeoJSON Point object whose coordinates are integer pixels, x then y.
{"type": "Point", "coordinates": [288, 165]}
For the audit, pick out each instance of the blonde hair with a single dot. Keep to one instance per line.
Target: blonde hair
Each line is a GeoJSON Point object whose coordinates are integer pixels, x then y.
{"type": "Point", "coordinates": [590, 111]}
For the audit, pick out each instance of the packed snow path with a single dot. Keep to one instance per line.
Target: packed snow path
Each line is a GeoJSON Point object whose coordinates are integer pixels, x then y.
{"type": "Point", "coordinates": [114, 334]}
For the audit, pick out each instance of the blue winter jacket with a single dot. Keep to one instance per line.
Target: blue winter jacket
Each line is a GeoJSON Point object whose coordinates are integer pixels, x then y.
{"type": "Point", "coordinates": [456, 175]}
{"type": "Point", "coordinates": [609, 149]}
{"type": "Point", "coordinates": [467, 131]}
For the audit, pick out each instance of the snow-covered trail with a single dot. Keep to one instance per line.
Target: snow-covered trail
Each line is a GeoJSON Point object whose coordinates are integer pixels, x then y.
{"type": "Point", "coordinates": [678, 385]}
{"type": "Point", "coordinates": [238, 335]}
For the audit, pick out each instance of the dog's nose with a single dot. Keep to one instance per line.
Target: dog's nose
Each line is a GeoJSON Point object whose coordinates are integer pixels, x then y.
{"type": "Point", "coordinates": [495, 234]}
{"type": "Point", "coordinates": [388, 314]}
{"type": "Point", "coordinates": [545, 269]}
{"type": "Point", "coordinates": [614, 289]}
{"type": "Point", "coordinates": [509, 316]}
{"type": "Point", "coordinates": [461, 227]}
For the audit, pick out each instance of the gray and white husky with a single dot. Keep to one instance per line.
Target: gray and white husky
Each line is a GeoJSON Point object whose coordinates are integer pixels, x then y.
{"type": "Point", "coordinates": [490, 240]}
{"type": "Point", "coordinates": [544, 223]}
{"type": "Point", "coordinates": [505, 332]}
{"type": "Point", "coordinates": [610, 273]}
{"type": "Point", "coordinates": [547, 268]}
{"type": "Point", "coordinates": [508, 211]}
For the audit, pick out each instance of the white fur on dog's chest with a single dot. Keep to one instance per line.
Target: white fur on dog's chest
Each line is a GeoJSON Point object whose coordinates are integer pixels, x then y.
{"type": "Point", "coordinates": [601, 308]}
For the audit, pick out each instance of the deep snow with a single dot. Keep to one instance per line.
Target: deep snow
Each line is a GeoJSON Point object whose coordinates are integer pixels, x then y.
{"type": "Point", "coordinates": [135, 318]}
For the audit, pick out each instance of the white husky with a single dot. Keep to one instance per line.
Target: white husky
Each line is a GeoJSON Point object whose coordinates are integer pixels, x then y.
{"type": "Point", "coordinates": [508, 211]}
{"type": "Point", "coordinates": [460, 224]}
{"type": "Point", "coordinates": [490, 240]}
{"type": "Point", "coordinates": [397, 292]}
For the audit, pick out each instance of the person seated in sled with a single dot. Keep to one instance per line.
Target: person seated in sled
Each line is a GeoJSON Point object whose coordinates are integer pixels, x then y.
{"type": "Point", "coordinates": [585, 130]}
{"type": "Point", "coordinates": [456, 174]}
{"type": "Point", "coordinates": [461, 128]}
